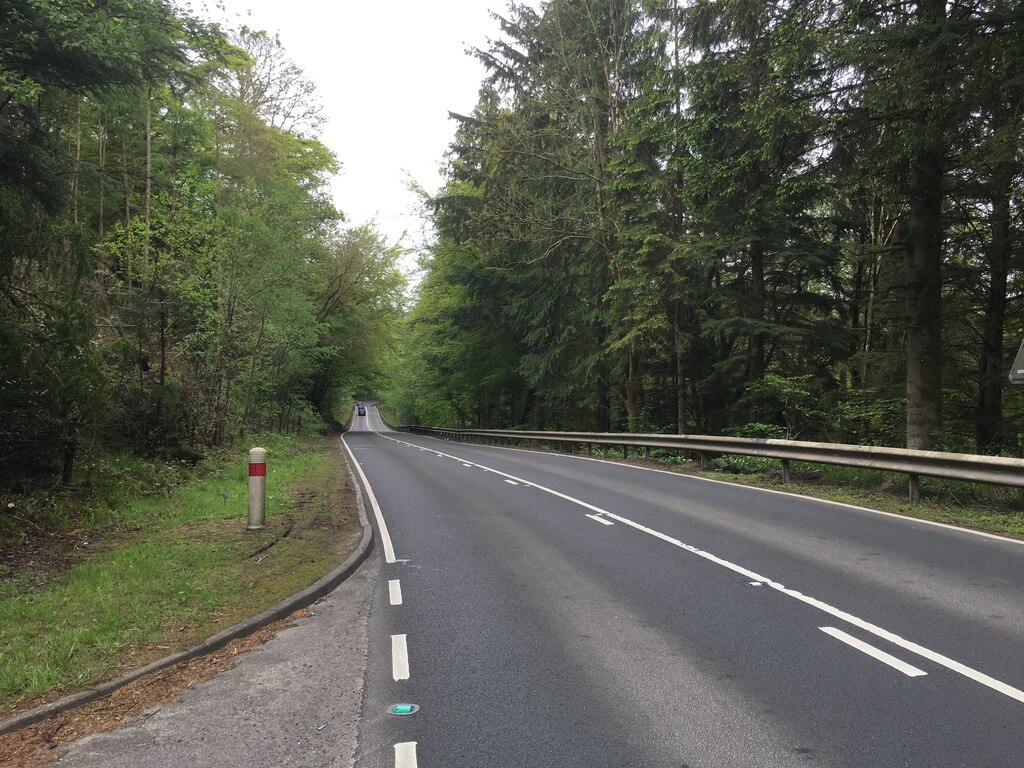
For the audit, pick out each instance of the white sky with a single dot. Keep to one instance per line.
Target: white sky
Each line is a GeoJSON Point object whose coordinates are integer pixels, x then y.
{"type": "Point", "coordinates": [388, 73]}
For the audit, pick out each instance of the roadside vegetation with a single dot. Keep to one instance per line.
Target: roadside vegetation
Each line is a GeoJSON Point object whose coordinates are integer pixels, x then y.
{"type": "Point", "coordinates": [159, 559]}
{"type": "Point", "coordinates": [752, 218]}
{"type": "Point", "coordinates": [173, 273]}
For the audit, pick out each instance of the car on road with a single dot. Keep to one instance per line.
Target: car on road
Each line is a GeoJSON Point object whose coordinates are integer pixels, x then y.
{"type": "Point", "coordinates": [361, 409]}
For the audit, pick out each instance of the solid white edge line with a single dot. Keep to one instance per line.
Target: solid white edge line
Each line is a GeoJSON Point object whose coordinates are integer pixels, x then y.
{"type": "Point", "coordinates": [395, 591]}
{"type": "Point", "coordinates": [600, 519]}
{"type": "Point", "coordinates": [385, 537]}
{"type": "Point", "coordinates": [920, 650]}
{"type": "Point", "coordinates": [405, 754]}
{"type": "Point", "coordinates": [870, 650]}
{"type": "Point", "coordinates": [399, 657]}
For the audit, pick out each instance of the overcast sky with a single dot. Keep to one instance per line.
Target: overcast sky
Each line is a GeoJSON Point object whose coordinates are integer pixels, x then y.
{"type": "Point", "coordinates": [388, 73]}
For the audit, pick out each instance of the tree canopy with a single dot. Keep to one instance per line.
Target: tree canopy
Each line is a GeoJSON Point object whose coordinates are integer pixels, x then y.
{"type": "Point", "coordinates": [173, 273]}
{"type": "Point", "coordinates": [746, 217]}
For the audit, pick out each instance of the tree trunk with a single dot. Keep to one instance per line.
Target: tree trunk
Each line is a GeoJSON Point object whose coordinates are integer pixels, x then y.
{"type": "Point", "coordinates": [632, 399]}
{"type": "Point", "coordinates": [680, 382]}
{"type": "Point", "coordinates": [149, 172]}
{"type": "Point", "coordinates": [991, 374]}
{"type": "Point", "coordinates": [249, 415]}
{"type": "Point", "coordinates": [76, 179]}
{"type": "Point", "coordinates": [102, 175]}
{"type": "Point", "coordinates": [756, 252]}
{"type": "Point", "coordinates": [924, 297]}
{"type": "Point", "coordinates": [924, 252]}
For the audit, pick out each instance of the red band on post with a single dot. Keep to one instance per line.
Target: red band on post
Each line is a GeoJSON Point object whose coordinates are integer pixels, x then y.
{"type": "Point", "coordinates": [257, 470]}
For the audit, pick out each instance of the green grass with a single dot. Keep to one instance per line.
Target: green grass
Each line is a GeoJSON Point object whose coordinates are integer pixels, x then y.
{"type": "Point", "coordinates": [174, 569]}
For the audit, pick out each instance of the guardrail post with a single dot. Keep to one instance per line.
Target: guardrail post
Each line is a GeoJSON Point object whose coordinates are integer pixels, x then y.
{"type": "Point", "coordinates": [625, 452]}
{"type": "Point", "coordinates": [915, 487]}
{"type": "Point", "coordinates": [647, 454]}
{"type": "Point", "coordinates": [590, 449]}
{"type": "Point", "coordinates": [257, 489]}
{"type": "Point", "coordinates": [703, 460]}
{"type": "Point", "coordinates": [785, 470]}
{"type": "Point", "coordinates": [605, 450]}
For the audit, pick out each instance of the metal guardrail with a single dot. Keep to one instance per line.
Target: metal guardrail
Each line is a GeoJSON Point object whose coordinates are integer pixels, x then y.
{"type": "Point", "coordinates": [992, 470]}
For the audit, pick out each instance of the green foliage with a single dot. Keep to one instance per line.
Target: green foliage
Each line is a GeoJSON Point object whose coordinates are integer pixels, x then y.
{"type": "Point", "coordinates": [173, 275]}
{"type": "Point", "coordinates": [703, 216]}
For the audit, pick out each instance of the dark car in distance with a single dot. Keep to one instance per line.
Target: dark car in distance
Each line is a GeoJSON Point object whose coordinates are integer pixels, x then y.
{"type": "Point", "coordinates": [360, 409]}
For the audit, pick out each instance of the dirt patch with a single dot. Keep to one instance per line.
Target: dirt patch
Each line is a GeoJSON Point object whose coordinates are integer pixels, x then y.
{"type": "Point", "coordinates": [44, 742]}
{"type": "Point", "coordinates": [38, 560]}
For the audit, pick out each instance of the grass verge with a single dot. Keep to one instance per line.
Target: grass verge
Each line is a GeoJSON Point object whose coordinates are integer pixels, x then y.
{"type": "Point", "coordinates": [166, 572]}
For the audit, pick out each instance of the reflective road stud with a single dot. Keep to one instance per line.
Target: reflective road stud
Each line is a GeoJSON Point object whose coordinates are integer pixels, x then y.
{"type": "Point", "coordinates": [257, 488]}
{"type": "Point", "coordinates": [403, 709]}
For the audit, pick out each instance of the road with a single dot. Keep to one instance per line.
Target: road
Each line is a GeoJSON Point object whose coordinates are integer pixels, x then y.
{"type": "Point", "coordinates": [547, 610]}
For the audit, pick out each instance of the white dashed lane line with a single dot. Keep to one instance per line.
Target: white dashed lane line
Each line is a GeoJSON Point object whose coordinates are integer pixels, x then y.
{"type": "Point", "coordinates": [405, 754]}
{"type": "Point", "coordinates": [399, 658]}
{"type": "Point", "coordinates": [601, 520]}
{"type": "Point", "coordinates": [882, 656]}
{"type": "Point", "coordinates": [395, 591]}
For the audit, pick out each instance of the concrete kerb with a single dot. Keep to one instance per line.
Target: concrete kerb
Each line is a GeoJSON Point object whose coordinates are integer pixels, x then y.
{"type": "Point", "coordinates": [285, 608]}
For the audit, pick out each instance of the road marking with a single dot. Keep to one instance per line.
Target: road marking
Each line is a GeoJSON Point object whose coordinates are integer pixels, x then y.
{"type": "Point", "coordinates": [405, 754]}
{"type": "Point", "coordinates": [829, 502]}
{"type": "Point", "coordinates": [882, 656]}
{"type": "Point", "coordinates": [395, 591]}
{"type": "Point", "coordinates": [601, 520]}
{"type": "Point", "coordinates": [512, 482]}
{"type": "Point", "coordinates": [467, 465]}
{"type": "Point", "coordinates": [385, 537]}
{"type": "Point", "coordinates": [399, 658]}
{"type": "Point", "coordinates": [892, 637]}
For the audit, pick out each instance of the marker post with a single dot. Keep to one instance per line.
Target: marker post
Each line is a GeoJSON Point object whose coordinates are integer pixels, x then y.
{"type": "Point", "coordinates": [257, 489]}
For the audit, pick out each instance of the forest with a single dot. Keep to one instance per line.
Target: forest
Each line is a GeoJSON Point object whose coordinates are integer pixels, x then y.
{"type": "Point", "coordinates": [737, 217]}
{"type": "Point", "coordinates": [173, 273]}
{"type": "Point", "coordinates": [760, 218]}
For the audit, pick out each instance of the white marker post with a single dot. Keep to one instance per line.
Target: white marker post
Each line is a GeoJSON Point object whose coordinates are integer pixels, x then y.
{"type": "Point", "coordinates": [257, 489]}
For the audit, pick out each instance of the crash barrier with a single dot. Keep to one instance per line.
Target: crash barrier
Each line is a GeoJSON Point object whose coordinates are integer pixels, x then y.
{"type": "Point", "coordinates": [993, 470]}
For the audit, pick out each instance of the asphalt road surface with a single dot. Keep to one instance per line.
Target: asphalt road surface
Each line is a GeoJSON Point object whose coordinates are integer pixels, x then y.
{"type": "Point", "coordinates": [552, 611]}
{"type": "Point", "coordinates": [546, 610]}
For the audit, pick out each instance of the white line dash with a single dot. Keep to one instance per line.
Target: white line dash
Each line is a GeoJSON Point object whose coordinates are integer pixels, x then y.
{"type": "Point", "coordinates": [512, 482]}
{"type": "Point", "coordinates": [395, 591]}
{"type": "Point", "coordinates": [882, 656]}
{"type": "Point", "coordinates": [399, 658]}
{"type": "Point", "coordinates": [601, 520]}
{"type": "Point", "coordinates": [405, 754]}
